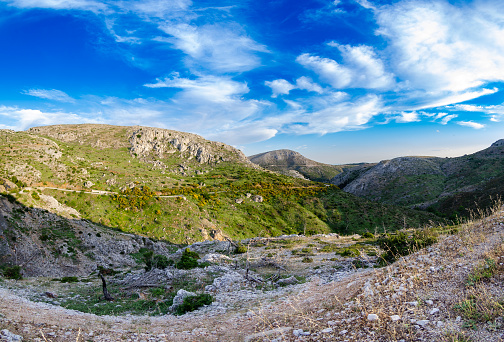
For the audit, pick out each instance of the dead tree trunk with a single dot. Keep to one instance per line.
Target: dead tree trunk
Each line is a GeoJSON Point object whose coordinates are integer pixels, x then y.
{"type": "Point", "coordinates": [106, 294]}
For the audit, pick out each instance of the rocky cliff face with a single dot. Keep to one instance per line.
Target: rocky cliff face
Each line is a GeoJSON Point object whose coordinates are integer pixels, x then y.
{"type": "Point", "coordinates": [161, 143]}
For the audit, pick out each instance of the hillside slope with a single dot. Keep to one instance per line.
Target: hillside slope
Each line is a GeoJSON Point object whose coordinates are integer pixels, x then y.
{"type": "Point", "coordinates": [450, 291]}
{"type": "Point", "coordinates": [294, 164]}
{"type": "Point", "coordinates": [451, 186]}
{"type": "Point", "coordinates": [175, 186]}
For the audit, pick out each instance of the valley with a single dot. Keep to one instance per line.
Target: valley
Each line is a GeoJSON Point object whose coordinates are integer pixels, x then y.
{"type": "Point", "coordinates": [191, 236]}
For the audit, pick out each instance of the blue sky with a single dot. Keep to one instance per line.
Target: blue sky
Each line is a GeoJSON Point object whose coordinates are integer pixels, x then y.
{"type": "Point", "coordinates": [339, 81]}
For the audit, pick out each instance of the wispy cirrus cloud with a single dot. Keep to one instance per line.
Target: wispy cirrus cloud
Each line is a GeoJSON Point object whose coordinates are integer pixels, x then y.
{"type": "Point", "coordinates": [86, 5]}
{"type": "Point", "coordinates": [471, 124]}
{"type": "Point", "coordinates": [218, 47]}
{"type": "Point", "coordinates": [50, 94]}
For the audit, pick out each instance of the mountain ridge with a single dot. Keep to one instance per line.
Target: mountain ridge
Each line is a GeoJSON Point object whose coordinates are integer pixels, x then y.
{"type": "Point", "coordinates": [292, 163]}
{"type": "Point", "coordinates": [425, 182]}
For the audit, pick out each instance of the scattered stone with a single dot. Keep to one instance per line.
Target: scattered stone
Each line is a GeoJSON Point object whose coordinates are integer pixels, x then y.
{"type": "Point", "coordinates": [287, 281]}
{"type": "Point", "coordinates": [7, 336]}
{"type": "Point", "coordinates": [395, 318]}
{"type": "Point", "coordinates": [422, 322]}
{"type": "Point", "coordinates": [257, 198]}
{"type": "Point", "coordinates": [429, 302]}
{"type": "Point", "coordinates": [300, 332]}
{"type": "Point", "coordinates": [434, 311]}
{"type": "Point", "coordinates": [372, 317]}
{"type": "Point", "coordinates": [327, 330]}
{"type": "Point", "coordinates": [214, 258]}
{"type": "Point", "coordinates": [88, 184]}
{"type": "Point", "coordinates": [254, 337]}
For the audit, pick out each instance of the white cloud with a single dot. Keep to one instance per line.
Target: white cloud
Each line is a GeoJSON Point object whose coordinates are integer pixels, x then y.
{"type": "Point", "coordinates": [471, 124]}
{"type": "Point", "coordinates": [86, 5]}
{"type": "Point", "coordinates": [50, 94]}
{"type": "Point", "coordinates": [438, 47]}
{"type": "Point", "coordinates": [283, 87]}
{"type": "Point", "coordinates": [440, 99]}
{"type": "Point", "coordinates": [405, 117]}
{"type": "Point", "coordinates": [368, 71]}
{"type": "Point", "coordinates": [210, 88]}
{"type": "Point", "coordinates": [365, 4]}
{"type": "Point", "coordinates": [24, 118]}
{"type": "Point", "coordinates": [219, 47]}
{"type": "Point", "coordinates": [328, 70]}
{"type": "Point", "coordinates": [307, 83]}
{"type": "Point", "coordinates": [280, 87]}
{"type": "Point", "coordinates": [494, 109]}
{"type": "Point", "coordinates": [361, 68]}
{"type": "Point", "coordinates": [159, 9]}
{"type": "Point", "coordinates": [209, 103]}
{"type": "Point", "coordinates": [249, 133]}
{"type": "Point", "coordinates": [334, 117]}
{"type": "Point", "coordinates": [448, 118]}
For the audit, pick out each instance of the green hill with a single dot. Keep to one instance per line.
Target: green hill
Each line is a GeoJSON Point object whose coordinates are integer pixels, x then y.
{"type": "Point", "coordinates": [449, 186]}
{"type": "Point", "coordinates": [176, 186]}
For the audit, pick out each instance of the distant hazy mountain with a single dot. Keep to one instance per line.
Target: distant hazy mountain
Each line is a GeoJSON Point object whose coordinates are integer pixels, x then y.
{"type": "Point", "coordinates": [294, 164]}
{"type": "Point", "coordinates": [448, 185]}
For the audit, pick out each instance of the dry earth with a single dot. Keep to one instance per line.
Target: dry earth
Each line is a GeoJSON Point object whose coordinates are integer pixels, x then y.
{"type": "Point", "coordinates": [450, 291]}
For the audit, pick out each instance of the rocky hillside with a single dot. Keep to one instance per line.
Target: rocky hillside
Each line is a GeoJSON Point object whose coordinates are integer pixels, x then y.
{"type": "Point", "coordinates": [450, 186]}
{"type": "Point", "coordinates": [294, 164]}
{"type": "Point", "coordinates": [290, 288]}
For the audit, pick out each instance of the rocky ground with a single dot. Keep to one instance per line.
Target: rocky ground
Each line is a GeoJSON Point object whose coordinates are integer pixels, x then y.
{"type": "Point", "coordinates": [450, 291]}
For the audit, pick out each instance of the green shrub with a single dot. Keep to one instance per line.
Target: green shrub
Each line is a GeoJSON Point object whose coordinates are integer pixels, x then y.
{"type": "Point", "coordinates": [307, 260]}
{"type": "Point", "coordinates": [147, 255]}
{"type": "Point", "coordinates": [368, 235]}
{"type": "Point", "coordinates": [241, 249]}
{"type": "Point", "coordinates": [161, 261]}
{"type": "Point", "coordinates": [188, 260]}
{"type": "Point", "coordinates": [35, 196]}
{"type": "Point", "coordinates": [349, 252]}
{"type": "Point", "coordinates": [484, 270]}
{"type": "Point", "coordinates": [402, 243]}
{"type": "Point", "coordinates": [12, 272]}
{"type": "Point", "coordinates": [357, 263]}
{"type": "Point", "coordinates": [192, 303]}
{"type": "Point", "coordinates": [69, 280]}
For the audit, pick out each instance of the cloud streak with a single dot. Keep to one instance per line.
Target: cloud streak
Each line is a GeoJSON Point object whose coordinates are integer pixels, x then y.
{"type": "Point", "coordinates": [50, 94]}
